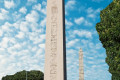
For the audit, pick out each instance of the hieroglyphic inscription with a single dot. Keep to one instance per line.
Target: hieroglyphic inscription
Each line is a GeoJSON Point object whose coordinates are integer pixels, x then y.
{"type": "Point", "coordinates": [53, 55]}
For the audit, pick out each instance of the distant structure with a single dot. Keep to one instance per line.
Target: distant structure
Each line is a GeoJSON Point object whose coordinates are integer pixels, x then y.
{"type": "Point", "coordinates": [81, 66]}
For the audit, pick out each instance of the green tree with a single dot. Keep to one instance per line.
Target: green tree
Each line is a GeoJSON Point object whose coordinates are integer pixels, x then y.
{"type": "Point", "coordinates": [109, 35]}
{"type": "Point", "coordinates": [31, 75]}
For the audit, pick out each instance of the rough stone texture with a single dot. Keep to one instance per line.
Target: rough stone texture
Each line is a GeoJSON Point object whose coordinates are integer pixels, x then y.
{"type": "Point", "coordinates": [81, 66]}
{"type": "Point", "coordinates": [55, 50]}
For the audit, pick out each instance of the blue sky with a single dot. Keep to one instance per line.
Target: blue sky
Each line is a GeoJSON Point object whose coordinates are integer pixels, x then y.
{"type": "Point", "coordinates": [22, 37]}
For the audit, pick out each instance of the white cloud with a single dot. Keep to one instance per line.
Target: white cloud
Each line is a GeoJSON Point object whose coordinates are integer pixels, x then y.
{"type": "Point", "coordinates": [88, 23]}
{"type": "Point", "coordinates": [72, 43]}
{"type": "Point", "coordinates": [37, 7]}
{"type": "Point", "coordinates": [32, 0]}
{"type": "Point", "coordinates": [42, 36]}
{"type": "Point", "coordinates": [24, 26]}
{"type": "Point", "coordinates": [92, 13]}
{"type": "Point", "coordinates": [68, 23]}
{"type": "Point", "coordinates": [32, 17]}
{"type": "Point", "coordinates": [16, 16]}
{"type": "Point", "coordinates": [71, 51]}
{"type": "Point", "coordinates": [6, 27]}
{"type": "Point", "coordinates": [16, 24]}
{"type": "Point", "coordinates": [42, 46]}
{"type": "Point", "coordinates": [44, 3]}
{"type": "Point", "coordinates": [43, 22]}
{"type": "Point", "coordinates": [4, 11]}
{"type": "Point", "coordinates": [3, 14]}
{"type": "Point", "coordinates": [70, 5]}
{"type": "Point", "coordinates": [1, 33]}
{"type": "Point", "coordinates": [17, 46]}
{"type": "Point", "coordinates": [90, 10]}
{"type": "Point", "coordinates": [83, 21]}
{"type": "Point", "coordinates": [20, 35]}
{"type": "Point", "coordinates": [79, 20]}
{"type": "Point", "coordinates": [4, 42]}
{"type": "Point", "coordinates": [97, 10]}
{"type": "Point", "coordinates": [44, 10]}
{"type": "Point", "coordinates": [91, 45]}
{"type": "Point", "coordinates": [34, 49]}
{"type": "Point", "coordinates": [34, 26]}
{"type": "Point", "coordinates": [84, 41]}
{"type": "Point", "coordinates": [12, 40]}
{"type": "Point", "coordinates": [23, 10]}
{"type": "Point", "coordinates": [9, 4]}
{"type": "Point", "coordinates": [98, 46]}
{"type": "Point", "coordinates": [83, 33]}
{"type": "Point", "coordinates": [36, 37]}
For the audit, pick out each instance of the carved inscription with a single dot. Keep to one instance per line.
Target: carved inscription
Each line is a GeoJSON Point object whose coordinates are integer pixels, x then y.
{"type": "Point", "coordinates": [53, 55]}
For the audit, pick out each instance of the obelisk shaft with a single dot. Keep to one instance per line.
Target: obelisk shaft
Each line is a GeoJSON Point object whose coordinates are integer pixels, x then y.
{"type": "Point", "coordinates": [55, 50]}
{"type": "Point", "coordinates": [81, 66]}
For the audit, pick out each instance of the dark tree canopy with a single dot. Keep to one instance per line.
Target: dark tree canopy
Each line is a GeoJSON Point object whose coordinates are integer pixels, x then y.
{"type": "Point", "coordinates": [31, 75]}
{"type": "Point", "coordinates": [109, 35]}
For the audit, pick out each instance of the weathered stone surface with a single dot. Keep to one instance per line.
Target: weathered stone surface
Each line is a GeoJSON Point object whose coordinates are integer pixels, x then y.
{"type": "Point", "coordinates": [81, 66]}
{"type": "Point", "coordinates": [55, 50]}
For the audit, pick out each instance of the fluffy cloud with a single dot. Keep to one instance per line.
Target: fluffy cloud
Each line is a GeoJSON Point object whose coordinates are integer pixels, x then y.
{"type": "Point", "coordinates": [70, 5]}
{"type": "Point", "coordinates": [1, 33]}
{"type": "Point", "coordinates": [32, 17]}
{"type": "Point", "coordinates": [3, 14]}
{"type": "Point", "coordinates": [87, 23]}
{"type": "Point", "coordinates": [20, 35]}
{"type": "Point", "coordinates": [36, 38]}
{"type": "Point", "coordinates": [43, 22]}
{"type": "Point", "coordinates": [9, 4]}
{"type": "Point", "coordinates": [42, 46]}
{"type": "Point", "coordinates": [83, 21]}
{"type": "Point", "coordinates": [32, 0]}
{"type": "Point", "coordinates": [6, 27]}
{"type": "Point", "coordinates": [39, 8]}
{"type": "Point", "coordinates": [44, 3]}
{"type": "Point", "coordinates": [16, 16]}
{"type": "Point", "coordinates": [92, 13]}
{"type": "Point", "coordinates": [23, 10]}
{"type": "Point", "coordinates": [4, 42]}
{"type": "Point", "coordinates": [79, 20]}
{"type": "Point", "coordinates": [68, 23]}
{"type": "Point", "coordinates": [72, 43]}
{"type": "Point", "coordinates": [24, 26]}
{"type": "Point", "coordinates": [83, 33]}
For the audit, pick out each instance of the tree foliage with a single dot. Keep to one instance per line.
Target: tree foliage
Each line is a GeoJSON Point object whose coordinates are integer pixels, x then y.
{"type": "Point", "coordinates": [31, 75]}
{"type": "Point", "coordinates": [109, 34]}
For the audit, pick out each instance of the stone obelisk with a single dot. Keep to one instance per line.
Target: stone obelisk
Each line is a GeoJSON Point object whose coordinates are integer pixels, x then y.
{"type": "Point", "coordinates": [55, 49]}
{"type": "Point", "coordinates": [81, 66]}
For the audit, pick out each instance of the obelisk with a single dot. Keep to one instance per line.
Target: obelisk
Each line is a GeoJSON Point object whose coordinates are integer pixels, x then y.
{"type": "Point", "coordinates": [55, 49]}
{"type": "Point", "coordinates": [81, 66]}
